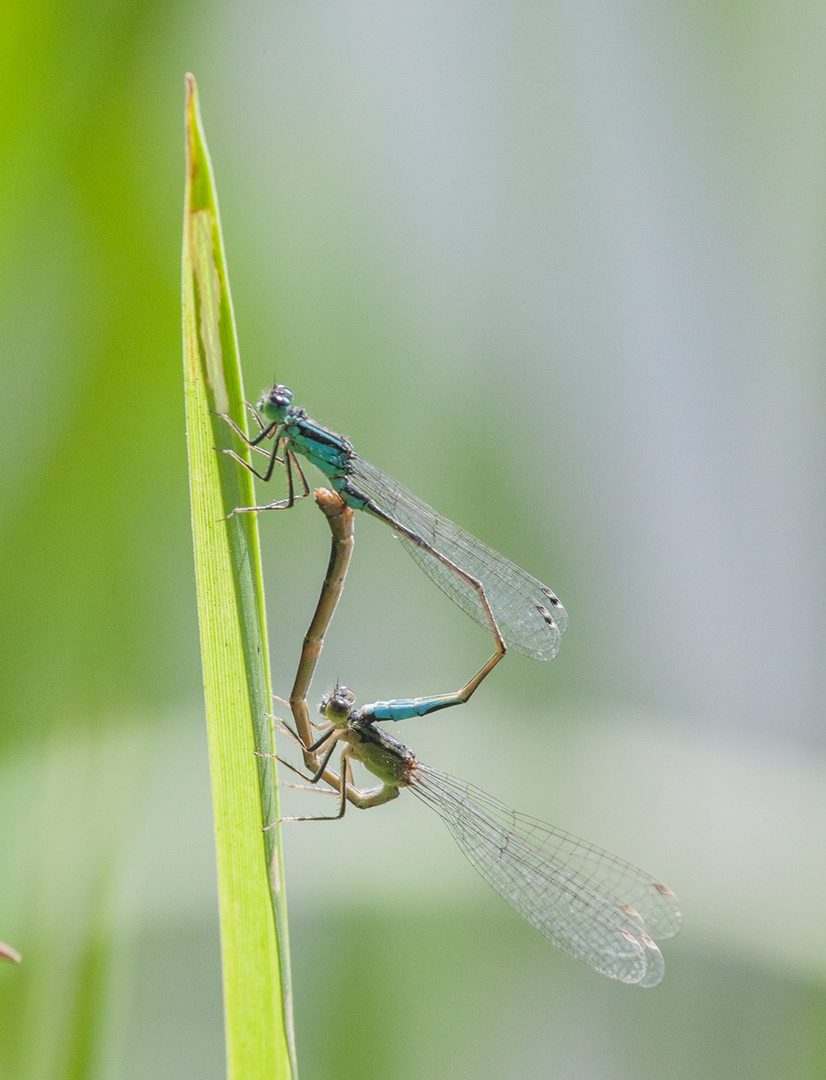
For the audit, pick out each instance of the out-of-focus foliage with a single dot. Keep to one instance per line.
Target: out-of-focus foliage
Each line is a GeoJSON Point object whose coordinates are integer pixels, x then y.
{"type": "Point", "coordinates": [558, 268]}
{"type": "Point", "coordinates": [96, 581]}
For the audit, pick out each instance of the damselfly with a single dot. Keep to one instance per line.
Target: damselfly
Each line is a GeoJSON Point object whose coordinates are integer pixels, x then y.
{"type": "Point", "coordinates": [591, 904]}
{"type": "Point", "coordinates": [519, 610]}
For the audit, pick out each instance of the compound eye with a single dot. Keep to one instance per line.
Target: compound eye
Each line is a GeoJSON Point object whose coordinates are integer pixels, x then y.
{"type": "Point", "coordinates": [281, 396]}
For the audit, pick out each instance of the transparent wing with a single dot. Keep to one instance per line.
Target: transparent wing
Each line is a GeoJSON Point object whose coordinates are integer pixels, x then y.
{"type": "Point", "coordinates": [529, 615]}
{"type": "Point", "coordinates": [592, 905]}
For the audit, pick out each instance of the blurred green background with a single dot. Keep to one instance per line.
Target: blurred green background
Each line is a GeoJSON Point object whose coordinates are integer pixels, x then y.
{"type": "Point", "coordinates": [559, 268]}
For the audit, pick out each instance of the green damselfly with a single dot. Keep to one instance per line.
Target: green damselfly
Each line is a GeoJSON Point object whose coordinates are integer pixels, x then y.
{"type": "Point", "coordinates": [596, 907]}
{"type": "Point", "coordinates": [591, 904]}
{"type": "Point", "coordinates": [520, 611]}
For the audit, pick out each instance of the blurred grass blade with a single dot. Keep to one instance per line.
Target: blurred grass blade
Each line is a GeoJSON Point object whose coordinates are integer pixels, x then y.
{"type": "Point", "coordinates": [61, 1018]}
{"type": "Point", "coordinates": [257, 1001]}
{"type": "Point", "coordinates": [8, 953]}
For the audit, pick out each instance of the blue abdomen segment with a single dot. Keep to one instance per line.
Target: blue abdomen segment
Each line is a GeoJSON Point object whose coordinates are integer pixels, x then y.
{"type": "Point", "coordinates": [408, 708]}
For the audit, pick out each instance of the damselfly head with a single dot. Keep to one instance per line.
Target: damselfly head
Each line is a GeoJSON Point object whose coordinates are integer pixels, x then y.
{"type": "Point", "coordinates": [337, 705]}
{"type": "Point", "coordinates": [275, 403]}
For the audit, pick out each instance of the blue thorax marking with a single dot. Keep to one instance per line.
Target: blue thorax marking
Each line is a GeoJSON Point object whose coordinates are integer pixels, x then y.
{"type": "Point", "coordinates": [325, 449]}
{"type": "Point", "coordinates": [328, 451]}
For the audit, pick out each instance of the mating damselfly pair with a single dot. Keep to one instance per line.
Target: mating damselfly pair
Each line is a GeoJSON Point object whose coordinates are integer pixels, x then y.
{"type": "Point", "coordinates": [598, 908]}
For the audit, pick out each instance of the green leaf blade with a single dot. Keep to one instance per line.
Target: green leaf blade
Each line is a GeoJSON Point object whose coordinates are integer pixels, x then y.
{"type": "Point", "coordinates": [258, 1017]}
